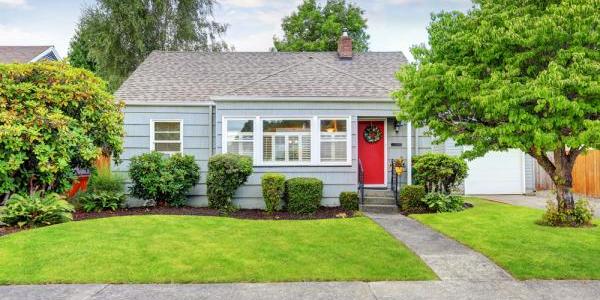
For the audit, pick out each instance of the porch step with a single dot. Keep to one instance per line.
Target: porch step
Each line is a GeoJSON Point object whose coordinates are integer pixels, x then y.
{"type": "Point", "coordinates": [378, 193]}
{"type": "Point", "coordinates": [379, 208]}
{"type": "Point", "coordinates": [380, 200]}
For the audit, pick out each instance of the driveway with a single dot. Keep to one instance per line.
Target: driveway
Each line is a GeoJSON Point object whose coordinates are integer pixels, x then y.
{"type": "Point", "coordinates": [537, 201]}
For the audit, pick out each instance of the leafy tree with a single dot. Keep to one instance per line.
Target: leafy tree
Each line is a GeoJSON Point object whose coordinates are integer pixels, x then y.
{"type": "Point", "coordinates": [79, 49]}
{"type": "Point", "coordinates": [53, 118]}
{"type": "Point", "coordinates": [512, 74]}
{"type": "Point", "coordinates": [119, 35]}
{"type": "Point", "coordinates": [318, 28]}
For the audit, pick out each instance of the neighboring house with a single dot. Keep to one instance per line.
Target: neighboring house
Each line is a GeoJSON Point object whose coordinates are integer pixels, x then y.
{"type": "Point", "coordinates": [301, 114]}
{"type": "Point", "coordinates": [26, 54]}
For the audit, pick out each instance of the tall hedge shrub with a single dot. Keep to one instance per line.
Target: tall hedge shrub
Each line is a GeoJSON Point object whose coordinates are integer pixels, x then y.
{"type": "Point", "coordinates": [439, 172]}
{"type": "Point", "coordinates": [53, 118]}
{"type": "Point", "coordinates": [163, 179]}
{"type": "Point", "coordinates": [273, 189]}
{"type": "Point", "coordinates": [303, 195]}
{"type": "Point", "coordinates": [226, 172]}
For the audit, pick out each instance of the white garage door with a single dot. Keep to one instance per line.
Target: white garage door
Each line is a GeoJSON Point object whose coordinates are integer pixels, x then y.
{"type": "Point", "coordinates": [496, 173]}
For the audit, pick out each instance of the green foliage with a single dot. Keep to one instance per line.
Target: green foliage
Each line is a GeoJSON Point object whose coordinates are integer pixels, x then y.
{"type": "Point", "coordinates": [118, 35]}
{"type": "Point", "coordinates": [105, 180]}
{"type": "Point", "coordinates": [411, 198]}
{"type": "Point", "coordinates": [318, 28]}
{"type": "Point", "coordinates": [226, 172]}
{"type": "Point", "coordinates": [53, 119]}
{"type": "Point", "coordinates": [79, 49]}
{"type": "Point", "coordinates": [303, 195]}
{"type": "Point", "coordinates": [105, 191]}
{"type": "Point", "coordinates": [163, 179]}
{"type": "Point", "coordinates": [439, 172]}
{"type": "Point", "coordinates": [35, 210]}
{"type": "Point", "coordinates": [349, 200]}
{"type": "Point", "coordinates": [511, 74]}
{"type": "Point", "coordinates": [101, 200]}
{"type": "Point", "coordinates": [581, 215]}
{"type": "Point", "coordinates": [273, 189]}
{"type": "Point", "coordinates": [440, 202]}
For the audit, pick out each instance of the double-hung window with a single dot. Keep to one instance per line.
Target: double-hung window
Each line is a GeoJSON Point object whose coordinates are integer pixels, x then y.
{"type": "Point", "coordinates": [167, 136]}
{"type": "Point", "coordinates": [240, 136]}
{"type": "Point", "coordinates": [286, 141]}
{"type": "Point", "coordinates": [334, 140]}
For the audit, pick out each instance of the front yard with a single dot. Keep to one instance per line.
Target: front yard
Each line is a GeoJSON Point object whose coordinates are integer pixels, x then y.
{"type": "Point", "coordinates": [509, 236]}
{"type": "Point", "coordinates": [186, 249]}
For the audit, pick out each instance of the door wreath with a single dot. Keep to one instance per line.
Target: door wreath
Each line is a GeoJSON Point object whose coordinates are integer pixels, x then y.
{"type": "Point", "coordinates": [372, 134]}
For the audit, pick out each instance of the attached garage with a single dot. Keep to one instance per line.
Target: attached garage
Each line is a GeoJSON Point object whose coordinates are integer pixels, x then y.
{"type": "Point", "coordinates": [497, 173]}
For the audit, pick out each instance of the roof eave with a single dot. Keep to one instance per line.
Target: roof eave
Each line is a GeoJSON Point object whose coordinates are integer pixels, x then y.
{"type": "Point", "coordinates": [300, 99]}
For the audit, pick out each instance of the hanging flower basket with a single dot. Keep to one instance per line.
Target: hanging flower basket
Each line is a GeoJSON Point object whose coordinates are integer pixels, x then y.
{"type": "Point", "coordinates": [372, 134]}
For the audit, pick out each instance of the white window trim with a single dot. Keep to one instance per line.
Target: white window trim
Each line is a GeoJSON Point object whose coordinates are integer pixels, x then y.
{"type": "Point", "coordinates": [152, 141]}
{"type": "Point", "coordinates": [225, 133]}
{"type": "Point", "coordinates": [315, 132]}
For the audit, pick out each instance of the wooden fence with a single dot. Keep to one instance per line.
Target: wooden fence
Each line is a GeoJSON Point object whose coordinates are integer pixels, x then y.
{"type": "Point", "coordinates": [586, 175]}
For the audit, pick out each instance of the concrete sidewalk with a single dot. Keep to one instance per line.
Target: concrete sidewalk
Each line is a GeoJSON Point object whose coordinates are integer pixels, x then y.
{"type": "Point", "coordinates": [538, 200]}
{"type": "Point", "coordinates": [560, 290]}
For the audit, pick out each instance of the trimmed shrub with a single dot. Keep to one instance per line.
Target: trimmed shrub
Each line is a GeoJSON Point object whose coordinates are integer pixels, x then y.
{"type": "Point", "coordinates": [303, 195]}
{"type": "Point", "coordinates": [411, 197]}
{"type": "Point", "coordinates": [349, 200]}
{"type": "Point", "coordinates": [440, 202]}
{"type": "Point", "coordinates": [36, 210]}
{"type": "Point", "coordinates": [273, 189]}
{"type": "Point", "coordinates": [163, 179]}
{"type": "Point", "coordinates": [439, 172]}
{"type": "Point", "coordinates": [226, 172]}
{"type": "Point", "coordinates": [581, 215]}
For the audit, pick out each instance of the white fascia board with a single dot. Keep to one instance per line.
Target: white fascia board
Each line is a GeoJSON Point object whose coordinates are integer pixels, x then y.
{"type": "Point", "coordinates": [50, 49]}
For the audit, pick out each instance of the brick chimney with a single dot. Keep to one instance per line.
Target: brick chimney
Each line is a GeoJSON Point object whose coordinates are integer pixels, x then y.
{"type": "Point", "coordinates": [345, 46]}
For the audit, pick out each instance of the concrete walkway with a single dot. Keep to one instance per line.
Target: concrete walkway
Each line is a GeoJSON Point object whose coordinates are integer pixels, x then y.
{"type": "Point", "coordinates": [449, 259]}
{"type": "Point", "coordinates": [538, 200]}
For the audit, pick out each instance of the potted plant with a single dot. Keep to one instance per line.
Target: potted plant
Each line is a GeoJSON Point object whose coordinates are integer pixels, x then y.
{"type": "Point", "coordinates": [399, 165]}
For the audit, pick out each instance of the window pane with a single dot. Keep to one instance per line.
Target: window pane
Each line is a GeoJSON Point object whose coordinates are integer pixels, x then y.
{"type": "Point", "coordinates": [166, 136]}
{"type": "Point", "coordinates": [240, 137]}
{"type": "Point", "coordinates": [279, 148]}
{"type": "Point", "coordinates": [286, 126]}
{"type": "Point", "coordinates": [166, 126]}
{"type": "Point", "coordinates": [334, 141]}
{"type": "Point", "coordinates": [167, 147]}
{"type": "Point", "coordinates": [333, 125]}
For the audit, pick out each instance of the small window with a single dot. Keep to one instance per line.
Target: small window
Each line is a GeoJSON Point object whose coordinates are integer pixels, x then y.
{"type": "Point", "coordinates": [240, 137]}
{"type": "Point", "coordinates": [334, 140]}
{"type": "Point", "coordinates": [286, 141]}
{"type": "Point", "coordinates": [167, 136]}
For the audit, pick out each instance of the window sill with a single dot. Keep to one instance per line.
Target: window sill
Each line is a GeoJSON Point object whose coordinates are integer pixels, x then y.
{"type": "Point", "coordinates": [341, 164]}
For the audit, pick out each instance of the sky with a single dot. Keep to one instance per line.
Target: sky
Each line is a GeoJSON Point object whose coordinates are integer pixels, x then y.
{"type": "Point", "coordinates": [394, 25]}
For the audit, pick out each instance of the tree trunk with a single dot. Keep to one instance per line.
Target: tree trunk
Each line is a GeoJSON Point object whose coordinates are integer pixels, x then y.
{"type": "Point", "coordinates": [561, 173]}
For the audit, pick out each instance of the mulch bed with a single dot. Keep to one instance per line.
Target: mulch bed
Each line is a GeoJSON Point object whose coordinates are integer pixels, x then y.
{"type": "Point", "coordinates": [252, 214]}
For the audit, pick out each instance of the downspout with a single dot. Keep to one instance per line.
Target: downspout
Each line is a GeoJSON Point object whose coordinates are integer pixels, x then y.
{"type": "Point", "coordinates": [210, 131]}
{"type": "Point", "coordinates": [409, 153]}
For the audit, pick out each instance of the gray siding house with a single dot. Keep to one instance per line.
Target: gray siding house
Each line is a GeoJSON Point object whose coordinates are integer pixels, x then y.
{"type": "Point", "coordinates": [301, 114]}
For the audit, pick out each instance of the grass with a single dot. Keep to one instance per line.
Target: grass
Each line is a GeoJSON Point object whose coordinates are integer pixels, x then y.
{"type": "Point", "coordinates": [188, 249]}
{"type": "Point", "coordinates": [509, 236]}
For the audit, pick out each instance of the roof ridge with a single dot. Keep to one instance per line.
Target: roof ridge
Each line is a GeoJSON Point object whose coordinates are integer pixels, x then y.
{"type": "Point", "coordinates": [352, 75]}
{"type": "Point", "coordinates": [263, 78]}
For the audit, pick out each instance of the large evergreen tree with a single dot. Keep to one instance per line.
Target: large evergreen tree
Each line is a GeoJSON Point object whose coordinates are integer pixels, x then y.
{"type": "Point", "coordinates": [318, 28]}
{"type": "Point", "coordinates": [512, 74]}
{"type": "Point", "coordinates": [116, 36]}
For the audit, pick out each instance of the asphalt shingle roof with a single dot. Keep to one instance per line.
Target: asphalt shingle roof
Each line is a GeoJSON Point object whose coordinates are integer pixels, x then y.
{"type": "Point", "coordinates": [20, 54]}
{"type": "Point", "coordinates": [198, 76]}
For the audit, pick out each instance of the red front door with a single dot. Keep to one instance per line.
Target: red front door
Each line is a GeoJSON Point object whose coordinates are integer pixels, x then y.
{"type": "Point", "coordinates": [372, 153]}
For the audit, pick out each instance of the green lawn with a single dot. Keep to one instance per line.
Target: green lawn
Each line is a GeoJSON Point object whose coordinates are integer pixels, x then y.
{"type": "Point", "coordinates": [508, 235]}
{"type": "Point", "coordinates": [185, 249]}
